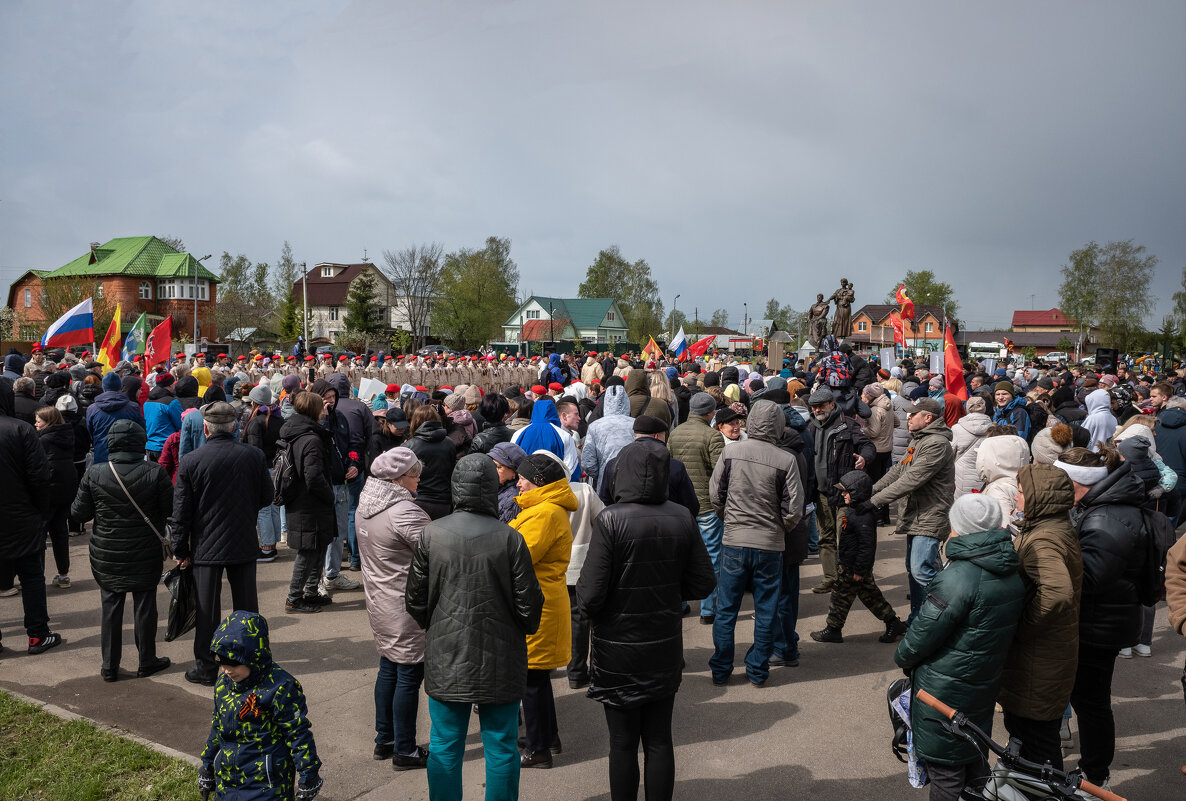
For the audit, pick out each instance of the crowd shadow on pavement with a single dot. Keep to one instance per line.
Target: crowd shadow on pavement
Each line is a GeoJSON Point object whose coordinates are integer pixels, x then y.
{"type": "Point", "coordinates": [787, 782]}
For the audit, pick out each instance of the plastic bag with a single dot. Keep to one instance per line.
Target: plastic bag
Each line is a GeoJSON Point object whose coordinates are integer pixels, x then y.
{"type": "Point", "coordinates": [183, 603]}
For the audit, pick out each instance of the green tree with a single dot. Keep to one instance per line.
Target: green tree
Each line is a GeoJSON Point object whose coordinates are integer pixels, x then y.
{"type": "Point", "coordinates": [415, 273]}
{"type": "Point", "coordinates": [1065, 344]}
{"type": "Point", "coordinates": [477, 292]}
{"type": "Point", "coordinates": [675, 320]}
{"type": "Point", "coordinates": [364, 314]}
{"type": "Point", "coordinates": [786, 318]}
{"type": "Point", "coordinates": [720, 318]}
{"type": "Point", "coordinates": [284, 276]}
{"type": "Point", "coordinates": [235, 311]}
{"type": "Point", "coordinates": [924, 288]}
{"type": "Point", "coordinates": [1180, 303]}
{"type": "Point", "coordinates": [632, 285]}
{"type": "Point", "coordinates": [1107, 287]}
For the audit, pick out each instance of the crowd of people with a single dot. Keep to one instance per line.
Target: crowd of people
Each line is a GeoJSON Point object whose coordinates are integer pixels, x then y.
{"type": "Point", "coordinates": [509, 517]}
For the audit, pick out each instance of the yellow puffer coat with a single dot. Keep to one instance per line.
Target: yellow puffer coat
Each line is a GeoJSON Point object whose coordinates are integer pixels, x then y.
{"type": "Point", "coordinates": [544, 526]}
{"type": "Point", "coordinates": [204, 379]}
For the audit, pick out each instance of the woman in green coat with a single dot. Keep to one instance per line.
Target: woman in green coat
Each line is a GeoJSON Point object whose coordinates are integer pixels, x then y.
{"type": "Point", "coordinates": [958, 642]}
{"type": "Point", "coordinates": [126, 554]}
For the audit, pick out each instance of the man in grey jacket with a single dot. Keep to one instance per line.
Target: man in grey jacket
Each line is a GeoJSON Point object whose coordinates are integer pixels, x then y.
{"type": "Point", "coordinates": [755, 488]}
{"type": "Point", "coordinates": [925, 477]}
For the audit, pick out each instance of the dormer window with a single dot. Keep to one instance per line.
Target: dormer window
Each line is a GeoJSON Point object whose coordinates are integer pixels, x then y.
{"type": "Point", "coordinates": [327, 272]}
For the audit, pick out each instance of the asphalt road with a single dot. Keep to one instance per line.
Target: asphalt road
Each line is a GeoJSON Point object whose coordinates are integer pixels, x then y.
{"type": "Point", "coordinates": [818, 731]}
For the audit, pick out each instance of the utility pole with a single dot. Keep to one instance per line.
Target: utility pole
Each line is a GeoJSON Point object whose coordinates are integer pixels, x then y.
{"type": "Point", "coordinates": [305, 302]}
{"type": "Point", "coordinates": [697, 322]}
{"type": "Point", "coordinates": [673, 301]}
{"type": "Point", "coordinates": [196, 300]}
{"type": "Point", "coordinates": [551, 327]}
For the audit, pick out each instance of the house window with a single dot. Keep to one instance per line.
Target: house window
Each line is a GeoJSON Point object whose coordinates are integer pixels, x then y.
{"type": "Point", "coordinates": [333, 313]}
{"type": "Point", "coordinates": [609, 316]}
{"type": "Point", "coordinates": [98, 290]}
{"type": "Point", "coordinates": [327, 272]}
{"type": "Point", "coordinates": [28, 298]}
{"type": "Point", "coordinates": [862, 326]}
{"type": "Point", "coordinates": [166, 290]}
{"type": "Point", "coordinates": [930, 327]}
{"type": "Point", "coordinates": [145, 290]}
{"type": "Point", "coordinates": [532, 315]}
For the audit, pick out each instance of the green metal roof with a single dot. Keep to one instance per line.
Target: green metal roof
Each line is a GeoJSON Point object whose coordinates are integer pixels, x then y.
{"type": "Point", "coordinates": [134, 255]}
{"type": "Point", "coordinates": [584, 312]}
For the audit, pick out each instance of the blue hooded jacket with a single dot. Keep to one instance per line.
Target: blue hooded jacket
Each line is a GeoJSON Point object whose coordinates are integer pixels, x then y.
{"type": "Point", "coordinates": [1014, 414]}
{"type": "Point", "coordinates": [260, 739]}
{"type": "Point", "coordinates": [555, 374]}
{"type": "Point", "coordinates": [540, 435]}
{"type": "Point", "coordinates": [106, 409]}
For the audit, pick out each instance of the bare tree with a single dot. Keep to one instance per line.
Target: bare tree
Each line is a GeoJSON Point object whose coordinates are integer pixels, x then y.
{"type": "Point", "coordinates": [415, 272]}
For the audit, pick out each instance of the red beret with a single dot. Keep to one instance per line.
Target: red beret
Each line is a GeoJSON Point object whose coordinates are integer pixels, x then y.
{"type": "Point", "coordinates": [539, 390]}
{"type": "Point", "coordinates": [374, 358]}
{"type": "Point", "coordinates": [292, 358]}
{"type": "Point", "coordinates": [392, 388]}
{"type": "Point", "coordinates": [556, 387]}
{"type": "Point", "coordinates": [400, 356]}
{"type": "Point", "coordinates": [309, 358]}
{"type": "Point", "coordinates": [473, 358]}
{"type": "Point", "coordinates": [36, 347]}
{"type": "Point", "coordinates": [446, 387]}
{"type": "Point", "coordinates": [222, 355]}
{"type": "Point", "coordinates": [597, 381]}
{"type": "Point", "coordinates": [421, 389]}
{"type": "Point", "coordinates": [343, 358]}
{"type": "Point", "coordinates": [327, 355]}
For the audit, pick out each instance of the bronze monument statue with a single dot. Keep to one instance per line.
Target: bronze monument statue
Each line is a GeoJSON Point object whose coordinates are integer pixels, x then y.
{"type": "Point", "coordinates": [842, 322]}
{"type": "Point", "coordinates": [817, 320]}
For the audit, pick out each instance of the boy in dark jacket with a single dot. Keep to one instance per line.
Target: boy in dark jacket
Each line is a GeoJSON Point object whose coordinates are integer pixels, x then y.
{"type": "Point", "coordinates": [260, 740]}
{"type": "Point", "coordinates": [857, 550]}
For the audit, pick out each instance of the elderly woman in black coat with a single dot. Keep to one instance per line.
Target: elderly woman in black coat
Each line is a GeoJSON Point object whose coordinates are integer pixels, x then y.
{"type": "Point", "coordinates": [57, 440]}
{"type": "Point", "coordinates": [126, 550]}
{"type": "Point", "coordinates": [645, 559]}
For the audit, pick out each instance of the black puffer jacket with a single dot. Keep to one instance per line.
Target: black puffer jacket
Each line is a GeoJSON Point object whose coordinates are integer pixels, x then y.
{"type": "Point", "coordinates": [491, 435]}
{"type": "Point", "coordinates": [187, 393]}
{"type": "Point", "coordinates": [310, 515]}
{"type": "Point", "coordinates": [263, 430]}
{"type": "Point", "coordinates": [1108, 519]}
{"type": "Point", "coordinates": [857, 549]}
{"type": "Point", "coordinates": [125, 554]}
{"type": "Point", "coordinates": [58, 443]}
{"type": "Point", "coordinates": [24, 477]}
{"type": "Point", "coordinates": [438, 454]}
{"type": "Point", "coordinates": [219, 490]}
{"type": "Point", "coordinates": [645, 558]}
{"type": "Point", "coordinates": [474, 591]}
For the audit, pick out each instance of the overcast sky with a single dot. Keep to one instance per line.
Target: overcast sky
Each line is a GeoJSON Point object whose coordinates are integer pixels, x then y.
{"type": "Point", "coordinates": [743, 149]}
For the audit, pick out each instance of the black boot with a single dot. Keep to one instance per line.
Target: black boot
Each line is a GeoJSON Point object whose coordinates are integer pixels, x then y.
{"type": "Point", "coordinates": [894, 629]}
{"type": "Point", "coordinates": [828, 634]}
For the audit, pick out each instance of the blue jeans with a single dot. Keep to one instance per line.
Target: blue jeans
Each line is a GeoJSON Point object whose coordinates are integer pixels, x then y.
{"type": "Point", "coordinates": [922, 565]}
{"type": "Point", "coordinates": [397, 699]}
{"type": "Point", "coordinates": [355, 489]}
{"type": "Point", "coordinates": [333, 554]}
{"type": "Point", "coordinates": [267, 522]}
{"type": "Point", "coordinates": [283, 524]}
{"type": "Point", "coordinates": [786, 639]}
{"type": "Point", "coordinates": [740, 567]}
{"type": "Point", "coordinates": [712, 528]}
{"type": "Point", "coordinates": [446, 749]}
{"type": "Point", "coordinates": [812, 534]}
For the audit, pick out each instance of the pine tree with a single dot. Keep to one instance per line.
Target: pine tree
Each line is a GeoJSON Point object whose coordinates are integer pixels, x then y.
{"type": "Point", "coordinates": [363, 312]}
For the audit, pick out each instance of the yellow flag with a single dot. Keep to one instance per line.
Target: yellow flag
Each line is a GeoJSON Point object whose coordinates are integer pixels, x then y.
{"type": "Point", "coordinates": [109, 348]}
{"type": "Point", "coordinates": [651, 351]}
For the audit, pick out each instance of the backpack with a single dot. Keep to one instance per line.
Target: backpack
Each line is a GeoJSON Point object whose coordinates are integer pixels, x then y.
{"type": "Point", "coordinates": [838, 370]}
{"type": "Point", "coordinates": [1159, 537]}
{"type": "Point", "coordinates": [284, 477]}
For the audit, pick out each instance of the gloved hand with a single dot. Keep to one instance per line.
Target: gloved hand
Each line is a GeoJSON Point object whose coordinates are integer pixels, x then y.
{"type": "Point", "coordinates": [309, 787]}
{"type": "Point", "coordinates": [205, 782]}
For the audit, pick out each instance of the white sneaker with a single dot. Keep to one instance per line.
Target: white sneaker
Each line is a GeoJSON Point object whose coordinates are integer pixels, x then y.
{"type": "Point", "coordinates": [1142, 650]}
{"type": "Point", "coordinates": [1125, 653]}
{"type": "Point", "coordinates": [11, 591]}
{"type": "Point", "coordinates": [341, 582]}
{"type": "Point", "coordinates": [62, 582]}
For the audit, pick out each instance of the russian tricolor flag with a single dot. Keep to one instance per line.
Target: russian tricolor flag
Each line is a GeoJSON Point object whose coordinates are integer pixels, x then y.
{"type": "Point", "coordinates": [75, 327]}
{"type": "Point", "coordinates": [679, 344]}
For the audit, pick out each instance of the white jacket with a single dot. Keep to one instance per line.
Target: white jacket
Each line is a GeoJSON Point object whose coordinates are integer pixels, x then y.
{"type": "Point", "coordinates": [966, 436]}
{"type": "Point", "coordinates": [997, 463]}
{"type": "Point", "coordinates": [581, 523]}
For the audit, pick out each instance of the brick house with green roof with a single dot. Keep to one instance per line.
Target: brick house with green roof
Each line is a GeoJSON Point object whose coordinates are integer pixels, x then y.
{"type": "Point", "coordinates": [553, 319]}
{"type": "Point", "coordinates": [142, 273]}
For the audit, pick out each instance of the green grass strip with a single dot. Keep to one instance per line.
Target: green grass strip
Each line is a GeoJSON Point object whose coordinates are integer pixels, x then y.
{"type": "Point", "coordinates": [45, 758]}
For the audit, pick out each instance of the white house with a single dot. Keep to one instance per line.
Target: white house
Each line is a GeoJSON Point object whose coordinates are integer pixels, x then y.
{"type": "Point", "coordinates": [543, 319]}
{"type": "Point", "coordinates": [329, 284]}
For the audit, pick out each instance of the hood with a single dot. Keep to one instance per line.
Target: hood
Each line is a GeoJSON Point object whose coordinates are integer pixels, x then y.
{"type": "Point", "coordinates": [243, 638]}
{"type": "Point", "coordinates": [883, 402]}
{"type": "Point", "coordinates": [558, 492]}
{"type": "Point", "coordinates": [430, 431]}
{"type": "Point", "coordinates": [14, 363]}
{"type": "Point", "coordinates": [1139, 452]}
{"type": "Point", "coordinates": [130, 386]}
{"type": "Point", "coordinates": [1048, 493]}
{"type": "Point", "coordinates": [729, 375]}
{"type": "Point", "coordinates": [111, 402]}
{"type": "Point", "coordinates": [616, 402]}
{"type": "Point", "coordinates": [163, 394]}
{"type": "Point", "coordinates": [908, 387]}
{"type": "Point", "coordinates": [463, 418]}
{"type": "Point", "coordinates": [126, 436]}
{"type": "Point", "coordinates": [990, 550]}
{"type": "Point", "coordinates": [1121, 486]}
{"type": "Point", "coordinates": [187, 387]}
{"type": "Point", "coordinates": [475, 485]}
{"type": "Point", "coordinates": [544, 411]}
{"type": "Point", "coordinates": [1098, 401]}
{"type": "Point", "coordinates": [299, 424]}
{"type": "Point", "coordinates": [645, 465]}
{"type": "Point", "coordinates": [7, 398]}
{"type": "Point", "coordinates": [1172, 418]}
{"type": "Point", "coordinates": [341, 384]}
{"type": "Point", "coordinates": [577, 390]}
{"type": "Point", "coordinates": [202, 374]}
{"type": "Point", "coordinates": [60, 434]}
{"type": "Point", "coordinates": [378, 496]}
{"type": "Point", "coordinates": [637, 384]}
{"type": "Point", "coordinates": [554, 360]}
{"type": "Point", "coordinates": [975, 423]}
{"type": "Point", "coordinates": [1001, 457]}
{"type": "Point", "coordinates": [766, 422]}
{"type": "Point", "coordinates": [858, 484]}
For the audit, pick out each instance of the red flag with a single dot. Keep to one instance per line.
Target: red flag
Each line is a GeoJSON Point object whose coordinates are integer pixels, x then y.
{"type": "Point", "coordinates": [156, 349]}
{"type": "Point", "coordinates": [896, 322]}
{"type": "Point", "coordinates": [953, 368]}
{"type": "Point", "coordinates": [700, 348]}
{"type": "Point", "coordinates": [907, 303]}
